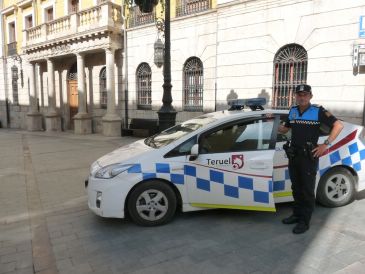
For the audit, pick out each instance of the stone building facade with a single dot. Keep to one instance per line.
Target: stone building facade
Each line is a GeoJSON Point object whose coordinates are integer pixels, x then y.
{"type": "Point", "coordinates": [255, 48]}
{"type": "Point", "coordinates": [54, 54]}
{"type": "Point", "coordinates": [220, 50]}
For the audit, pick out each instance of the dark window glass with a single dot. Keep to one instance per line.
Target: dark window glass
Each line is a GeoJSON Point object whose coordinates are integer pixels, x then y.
{"type": "Point", "coordinates": [244, 136]}
{"type": "Point", "coordinates": [283, 137]}
{"type": "Point", "coordinates": [175, 133]}
{"type": "Point", "coordinates": [183, 149]}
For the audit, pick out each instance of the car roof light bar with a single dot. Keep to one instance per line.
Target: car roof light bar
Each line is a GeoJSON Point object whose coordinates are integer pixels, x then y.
{"type": "Point", "coordinates": [252, 103]}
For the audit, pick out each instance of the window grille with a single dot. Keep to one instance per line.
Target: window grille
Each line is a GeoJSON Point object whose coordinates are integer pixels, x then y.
{"type": "Point", "coordinates": [138, 18]}
{"type": "Point", "coordinates": [185, 7]}
{"type": "Point", "coordinates": [72, 74]}
{"type": "Point", "coordinates": [144, 92]}
{"type": "Point", "coordinates": [193, 84]}
{"type": "Point", "coordinates": [14, 84]}
{"type": "Point", "coordinates": [290, 70]}
{"type": "Point", "coordinates": [103, 91]}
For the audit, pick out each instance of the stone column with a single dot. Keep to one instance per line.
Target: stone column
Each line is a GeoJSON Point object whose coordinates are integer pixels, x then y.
{"type": "Point", "coordinates": [53, 120]}
{"type": "Point", "coordinates": [34, 118]}
{"type": "Point", "coordinates": [82, 118]}
{"type": "Point", "coordinates": [111, 121]}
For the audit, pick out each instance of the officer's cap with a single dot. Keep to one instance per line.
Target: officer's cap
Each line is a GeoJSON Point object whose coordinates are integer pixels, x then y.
{"type": "Point", "coordinates": [303, 88]}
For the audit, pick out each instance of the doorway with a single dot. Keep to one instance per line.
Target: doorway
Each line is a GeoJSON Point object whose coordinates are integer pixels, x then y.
{"type": "Point", "coordinates": [73, 94]}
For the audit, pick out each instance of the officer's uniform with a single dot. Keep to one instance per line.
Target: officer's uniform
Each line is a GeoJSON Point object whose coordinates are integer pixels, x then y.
{"type": "Point", "coordinates": [303, 166]}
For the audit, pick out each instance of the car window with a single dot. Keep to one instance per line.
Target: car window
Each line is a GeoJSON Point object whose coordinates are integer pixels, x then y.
{"type": "Point", "coordinates": [182, 149]}
{"type": "Point", "coordinates": [174, 133]}
{"type": "Point", "coordinates": [281, 137]}
{"type": "Point", "coordinates": [244, 136]}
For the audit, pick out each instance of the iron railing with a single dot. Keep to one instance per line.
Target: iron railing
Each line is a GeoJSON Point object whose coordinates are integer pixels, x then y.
{"type": "Point", "coordinates": [138, 18]}
{"type": "Point", "coordinates": [186, 7]}
{"type": "Point", "coordinates": [12, 49]}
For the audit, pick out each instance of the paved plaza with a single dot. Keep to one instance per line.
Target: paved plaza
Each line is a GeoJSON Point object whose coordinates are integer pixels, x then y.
{"type": "Point", "coordinates": [46, 226]}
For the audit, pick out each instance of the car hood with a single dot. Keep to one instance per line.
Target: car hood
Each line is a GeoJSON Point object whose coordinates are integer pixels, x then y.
{"type": "Point", "coordinates": [124, 154]}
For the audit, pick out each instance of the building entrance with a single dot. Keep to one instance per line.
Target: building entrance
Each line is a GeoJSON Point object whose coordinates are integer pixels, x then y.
{"type": "Point", "coordinates": [73, 95]}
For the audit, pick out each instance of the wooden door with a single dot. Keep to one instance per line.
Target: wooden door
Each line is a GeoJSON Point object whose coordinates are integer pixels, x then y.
{"type": "Point", "coordinates": [73, 96]}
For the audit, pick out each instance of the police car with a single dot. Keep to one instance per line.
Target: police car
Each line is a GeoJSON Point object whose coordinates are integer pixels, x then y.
{"type": "Point", "coordinates": [226, 159]}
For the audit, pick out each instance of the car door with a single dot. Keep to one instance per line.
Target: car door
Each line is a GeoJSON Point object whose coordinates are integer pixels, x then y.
{"type": "Point", "coordinates": [281, 181]}
{"type": "Point", "coordinates": [234, 166]}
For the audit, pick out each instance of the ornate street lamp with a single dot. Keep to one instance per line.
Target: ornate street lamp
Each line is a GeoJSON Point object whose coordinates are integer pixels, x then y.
{"type": "Point", "coordinates": [166, 114]}
{"type": "Point", "coordinates": [159, 53]}
{"type": "Point", "coordinates": [19, 59]}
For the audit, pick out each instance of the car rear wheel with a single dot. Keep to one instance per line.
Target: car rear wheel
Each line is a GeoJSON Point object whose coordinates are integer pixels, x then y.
{"type": "Point", "coordinates": [336, 188]}
{"type": "Point", "coordinates": [152, 203]}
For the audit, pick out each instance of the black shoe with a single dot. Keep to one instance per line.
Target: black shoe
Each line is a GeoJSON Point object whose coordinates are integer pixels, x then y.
{"type": "Point", "coordinates": [300, 228]}
{"type": "Point", "coordinates": [290, 220]}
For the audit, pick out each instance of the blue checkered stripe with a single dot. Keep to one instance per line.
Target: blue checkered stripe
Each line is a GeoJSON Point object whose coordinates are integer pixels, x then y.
{"type": "Point", "coordinates": [229, 184]}
{"type": "Point", "coordinates": [209, 180]}
{"type": "Point", "coordinates": [158, 170]}
{"type": "Point", "coordinates": [282, 180]}
{"type": "Point", "coordinates": [352, 155]}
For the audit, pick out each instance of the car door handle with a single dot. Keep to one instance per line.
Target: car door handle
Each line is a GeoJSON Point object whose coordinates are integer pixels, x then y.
{"type": "Point", "coordinates": [258, 165]}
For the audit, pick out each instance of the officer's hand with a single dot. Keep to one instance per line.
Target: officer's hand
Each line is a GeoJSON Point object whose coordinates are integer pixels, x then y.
{"type": "Point", "coordinates": [320, 150]}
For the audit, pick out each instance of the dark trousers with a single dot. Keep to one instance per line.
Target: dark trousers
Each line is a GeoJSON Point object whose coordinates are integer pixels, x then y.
{"type": "Point", "coordinates": [302, 172]}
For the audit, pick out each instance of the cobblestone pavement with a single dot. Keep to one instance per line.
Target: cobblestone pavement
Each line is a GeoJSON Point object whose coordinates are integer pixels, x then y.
{"type": "Point", "coordinates": [46, 227]}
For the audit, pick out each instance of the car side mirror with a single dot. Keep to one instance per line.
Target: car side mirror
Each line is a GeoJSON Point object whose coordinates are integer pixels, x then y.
{"type": "Point", "coordinates": [194, 152]}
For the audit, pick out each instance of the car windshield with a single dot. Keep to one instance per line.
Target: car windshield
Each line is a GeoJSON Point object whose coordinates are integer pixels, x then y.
{"type": "Point", "coordinates": [172, 134]}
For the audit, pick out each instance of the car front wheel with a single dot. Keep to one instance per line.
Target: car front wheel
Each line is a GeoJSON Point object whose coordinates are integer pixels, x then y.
{"type": "Point", "coordinates": [336, 188]}
{"type": "Point", "coordinates": [152, 203]}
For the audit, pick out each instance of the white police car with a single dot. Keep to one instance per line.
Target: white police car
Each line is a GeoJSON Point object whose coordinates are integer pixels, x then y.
{"type": "Point", "coordinates": [227, 159]}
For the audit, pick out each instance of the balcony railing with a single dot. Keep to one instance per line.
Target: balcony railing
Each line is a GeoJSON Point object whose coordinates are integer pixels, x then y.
{"type": "Point", "coordinates": [138, 18]}
{"type": "Point", "coordinates": [186, 7]}
{"type": "Point", "coordinates": [12, 49]}
{"type": "Point", "coordinates": [106, 14]}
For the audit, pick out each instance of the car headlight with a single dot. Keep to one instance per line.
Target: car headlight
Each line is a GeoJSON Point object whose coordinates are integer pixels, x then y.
{"type": "Point", "coordinates": [111, 171]}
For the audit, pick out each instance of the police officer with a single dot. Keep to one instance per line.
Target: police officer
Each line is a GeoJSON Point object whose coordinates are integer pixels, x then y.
{"type": "Point", "coordinates": [304, 120]}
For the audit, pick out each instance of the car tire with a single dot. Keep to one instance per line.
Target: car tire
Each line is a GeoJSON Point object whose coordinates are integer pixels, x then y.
{"type": "Point", "coordinates": [336, 188]}
{"type": "Point", "coordinates": [152, 203]}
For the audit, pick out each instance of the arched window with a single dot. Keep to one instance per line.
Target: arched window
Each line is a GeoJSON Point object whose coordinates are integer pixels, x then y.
{"type": "Point", "coordinates": [193, 84]}
{"type": "Point", "coordinates": [103, 92]}
{"type": "Point", "coordinates": [143, 77]}
{"type": "Point", "coordinates": [290, 70]}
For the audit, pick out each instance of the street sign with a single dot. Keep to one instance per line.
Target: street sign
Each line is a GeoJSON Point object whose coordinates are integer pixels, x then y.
{"type": "Point", "coordinates": [362, 27]}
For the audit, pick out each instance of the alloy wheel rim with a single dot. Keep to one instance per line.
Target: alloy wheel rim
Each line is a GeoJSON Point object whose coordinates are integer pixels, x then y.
{"type": "Point", "coordinates": [338, 187]}
{"type": "Point", "coordinates": [152, 205]}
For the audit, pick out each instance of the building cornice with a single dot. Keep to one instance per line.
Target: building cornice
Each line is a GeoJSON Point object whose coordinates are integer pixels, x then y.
{"type": "Point", "coordinates": [9, 10]}
{"type": "Point", "coordinates": [24, 3]}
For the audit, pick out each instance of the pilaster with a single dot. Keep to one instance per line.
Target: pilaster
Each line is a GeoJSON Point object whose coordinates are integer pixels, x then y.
{"type": "Point", "coordinates": [111, 121]}
{"type": "Point", "coordinates": [82, 119]}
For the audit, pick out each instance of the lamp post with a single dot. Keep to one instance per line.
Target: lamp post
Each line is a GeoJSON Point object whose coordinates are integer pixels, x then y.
{"type": "Point", "coordinates": [167, 113]}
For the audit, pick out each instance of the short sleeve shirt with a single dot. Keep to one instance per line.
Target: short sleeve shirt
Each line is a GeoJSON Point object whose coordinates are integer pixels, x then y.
{"type": "Point", "coordinates": [305, 126]}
